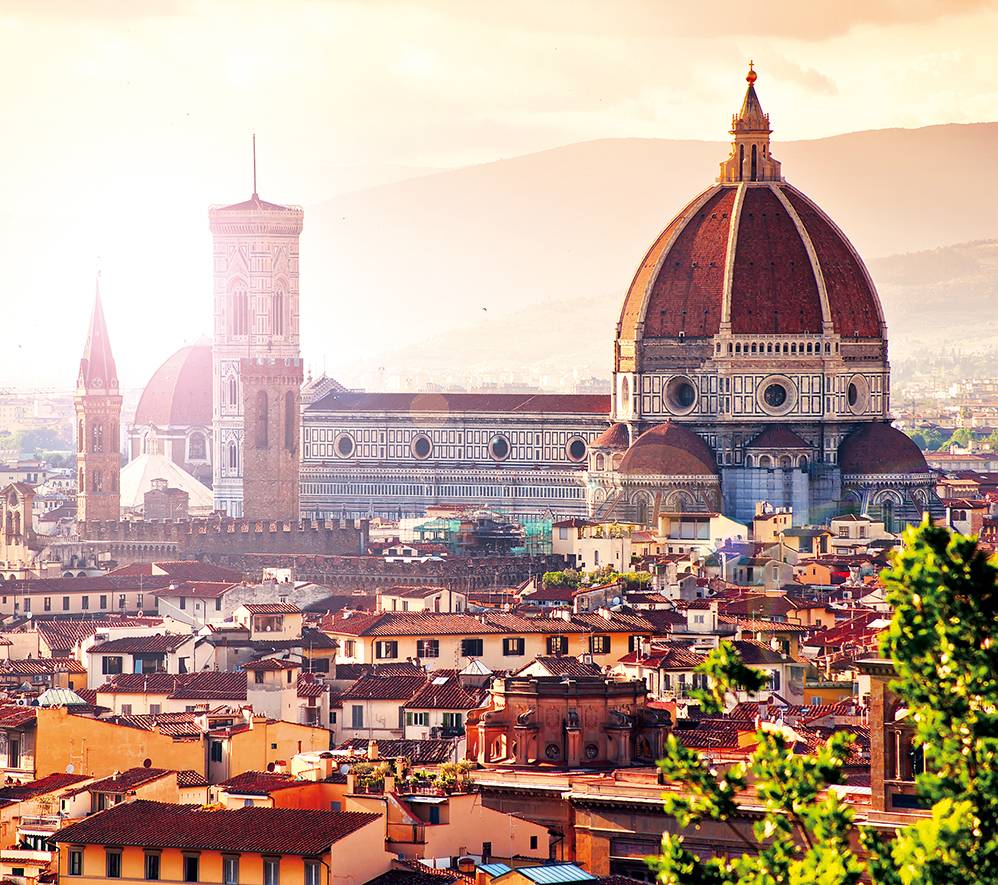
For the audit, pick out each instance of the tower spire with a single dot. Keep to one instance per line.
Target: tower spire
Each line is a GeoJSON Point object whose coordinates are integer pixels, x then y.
{"type": "Point", "coordinates": [97, 368]}
{"type": "Point", "coordinates": [254, 164]}
{"type": "Point", "coordinates": [750, 158]}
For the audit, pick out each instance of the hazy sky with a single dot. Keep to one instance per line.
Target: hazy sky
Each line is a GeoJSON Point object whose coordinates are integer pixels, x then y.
{"type": "Point", "coordinates": [124, 120]}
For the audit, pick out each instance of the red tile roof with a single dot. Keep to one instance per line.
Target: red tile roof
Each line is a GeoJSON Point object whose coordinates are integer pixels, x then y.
{"type": "Point", "coordinates": [205, 685]}
{"type": "Point", "coordinates": [272, 664]}
{"type": "Point", "coordinates": [14, 716]}
{"type": "Point", "coordinates": [259, 783]}
{"type": "Point", "coordinates": [668, 449]}
{"type": "Point", "coordinates": [565, 665]}
{"type": "Point", "coordinates": [425, 752]}
{"type": "Point", "coordinates": [259, 830]}
{"type": "Point", "coordinates": [48, 784]}
{"type": "Point", "coordinates": [197, 589]}
{"type": "Point", "coordinates": [451, 695]}
{"type": "Point", "coordinates": [179, 392]}
{"type": "Point", "coordinates": [271, 608]}
{"type": "Point", "coordinates": [135, 645]}
{"type": "Point", "coordinates": [878, 448]}
{"type": "Point", "coordinates": [777, 436]}
{"type": "Point", "coordinates": [384, 688]}
{"type": "Point", "coordinates": [63, 635]}
{"type": "Point", "coordinates": [671, 657]}
{"type": "Point", "coordinates": [41, 666]}
{"type": "Point", "coordinates": [127, 780]}
{"type": "Point", "coordinates": [616, 437]}
{"type": "Point", "coordinates": [407, 624]}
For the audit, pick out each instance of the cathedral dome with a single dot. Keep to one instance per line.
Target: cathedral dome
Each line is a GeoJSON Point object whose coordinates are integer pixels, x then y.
{"type": "Point", "coordinates": [750, 255]}
{"type": "Point", "coordinates": [879, 448]}
{"type": "Point", "coordinates": [668, 449]}
{"type": "Point", "coordinates": [179, 392]}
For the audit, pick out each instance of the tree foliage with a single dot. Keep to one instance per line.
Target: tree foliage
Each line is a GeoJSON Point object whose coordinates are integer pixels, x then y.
{"type": "Point", "coordinates": [943, 639]}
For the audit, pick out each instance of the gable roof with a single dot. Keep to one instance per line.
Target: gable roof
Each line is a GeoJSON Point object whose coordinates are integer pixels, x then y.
{"type": "Point", "coordinates": [160, 643]}
{"type": "Point", "coordinates": [384, 688]}
{"type": "Point", "coordinates": [48, 784]}
{"type": "Point", "coordinates": [445, 693]}
{"type": "Point", "coordinates": [259, 830]}
{"type": "Point", "coordinates": [423, 752]}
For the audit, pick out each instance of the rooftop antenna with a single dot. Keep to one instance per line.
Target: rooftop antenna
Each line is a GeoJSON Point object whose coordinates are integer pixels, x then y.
{"type": "Point", "coordinates": [254, 164]}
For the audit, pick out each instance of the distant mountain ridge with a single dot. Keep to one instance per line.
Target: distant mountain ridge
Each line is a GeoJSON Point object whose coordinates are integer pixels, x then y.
{"type": "Point", "coordinates": [557, 235]}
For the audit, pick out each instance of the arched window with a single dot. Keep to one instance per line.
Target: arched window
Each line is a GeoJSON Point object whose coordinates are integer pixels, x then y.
{"type": "Point", "coordinates": [97, 437]}
{"type": "Point", "coordinates": [887, 513]}
{"type": "Point", "coordinates": [196, 447]}
{"type": "Point", "coordinates": [261, 419]}
{"type": "Point", "coordinates": [755, 161]}
{"type": "Point", "coordinates": [238, 311]}
{"type": "Point", "coordinates": [233, 392]}
{"type": "Point", "coordinates": [80, 483]}
{"type": "Point", "coordinates": [233, 457]}
{"type": "Point", "coordinates": [741, 162]}
{"type": "Point", "coordinates": [79, 436]}
{"type": "Point", "coordinates": [17, 524]}
{"type": "Point", "coordinates": [290, 423]}
{"type": "Point", "coordinates": [277, 313]}
{"type": "Point", "coordinates": [765, 461]}
{"type": "Point", "coordinates": [97, 482]}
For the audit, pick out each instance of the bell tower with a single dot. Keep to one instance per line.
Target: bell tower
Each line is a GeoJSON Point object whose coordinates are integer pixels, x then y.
{"type": "Point", "coordinates": [98, 421]}
{"type": "Point", "coordinates": [255, 318]}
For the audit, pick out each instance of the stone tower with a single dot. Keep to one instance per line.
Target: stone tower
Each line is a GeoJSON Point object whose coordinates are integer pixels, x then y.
{"type": "Point", "coordinates": [271, 441]}
{"type": "Point", "coordinates": [98, 419]}
{"type": "Point", "coordinates": [256, 318]}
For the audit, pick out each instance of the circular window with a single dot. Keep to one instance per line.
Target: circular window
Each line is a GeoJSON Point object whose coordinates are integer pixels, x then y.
{"type": "Point", "coordinates": [421, 447]}
{"type": "Point", "coordinates": [552, 751]}
{"type": "Point", "coordinates": [592, 751]}
{"type": "Point", "coordinates": [858, 395]}
{"type": "Point", "coordinates": [775, 395]}
{"type": "Point", "coordinates": [577, 449]}
{"type": "Point", "coordinates": [681, 394]}
{"type": "Point", "coordinates": [499, 448]}
{"type": "Point", "coordinates": [344, 445]}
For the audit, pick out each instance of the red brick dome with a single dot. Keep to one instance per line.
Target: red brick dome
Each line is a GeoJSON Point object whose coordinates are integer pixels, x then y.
{"type": "Point", "coordinates": [668, 449]}
{"type": "Point", "coordinates": [179, 392]}
{"type": "Point", "coordinates": [879, 448]}
{"type": "Point", "coordinates": [759, 255]}
{"type": "Point", "coordinates": [615, 437]}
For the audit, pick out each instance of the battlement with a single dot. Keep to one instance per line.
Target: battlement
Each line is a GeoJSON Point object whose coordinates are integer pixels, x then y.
{"type": "Point", "coordinates": [345, 537]}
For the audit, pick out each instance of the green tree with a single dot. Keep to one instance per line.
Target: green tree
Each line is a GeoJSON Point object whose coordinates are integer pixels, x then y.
{"type": "Point", "coordinates": [943, 640]}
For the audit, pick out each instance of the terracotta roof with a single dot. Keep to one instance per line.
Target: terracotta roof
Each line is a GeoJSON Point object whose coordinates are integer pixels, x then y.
{"type": "Point", "coordinates": [177, 725]}
{"type": "Point", "coordinates": [179, 392]}
{"type": "Point", "coordinates": [427, 752]}
{"type": "Point", "coordinates": [668, 449]}
{"type": "Point", "coordinates": [566, 665]}
{"type": "Point", "coordinates": [618, 622]}
{"type": "Point", "coordinates": [670, 657]}
{"type": "Point", "coordinates": [259, 783]}
{"type": "Point", "coordinates": [14, 716]}
{"type": "Point", "coordinates": [48, 784]}
{"type": "Point", "coordinates": [879, 448]}
{"type": "Point", "coordinates": [272, 664]}
{"type": "Point", "coordinates": [406, 624]}
{"type": "Point", "coordinates": [778, 436]}
{"type": "Point", "coordinates": [127, 780]}
{"type": "Point", "coordinates": [500, 403]}
{"type": "Point", "coordinates": [41, 666]}
{"type": "Point", "coordinates": [311, 687]}
{"type": "Point", "coordinates": [258, 830]}
{"type": "Point", "coordinates": [191, 778]}
{"type": "Point", "coordinates": [761, 625]}
{"type": "Point", "coordinates": [758, 653]}
{"type": "Point", "coordinates": [179, 570]}
{"type": "Point", "coordinates": [207, 685]}
{"type": "Point", "coordinates": [512, 623]}
{"type": "Point", "coordinates": [413, 592]}
{"type": "Point", "coordinates": [134, 645]}
{"type": "Point", "coordinates": [616, 437]}
{"type": "Point", "coordinates": [679, 287]}
{"type": "Point", "coordinates": [353, 672]}
{"type": "Point", "coordinates": [197, 589]}
{"type": "Point", "coordinates": [63, 635]}
{"type": "Point", "coordinates": [271, 608]}
{"type": "Point", "coordinates": [384, 688]}
{"type": "Point", "coordinates": [450, 695]}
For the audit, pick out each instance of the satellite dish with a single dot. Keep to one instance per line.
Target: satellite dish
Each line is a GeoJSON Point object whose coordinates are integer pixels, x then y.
{"type": "Point", "coordinates": [70, 768]}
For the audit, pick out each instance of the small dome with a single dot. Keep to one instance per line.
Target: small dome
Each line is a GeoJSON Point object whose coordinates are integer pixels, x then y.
{"type": "Point", "coordinates": [615, 437]}
{"type": "Point", "coordinates": [880, 448]}
{"type": "Point", "coordinates": [179, 392]}
{"type": "Point", "coordinates": [668, 450]}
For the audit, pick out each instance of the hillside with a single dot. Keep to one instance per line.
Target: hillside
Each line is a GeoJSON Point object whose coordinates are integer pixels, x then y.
{"type": "Point", "coordinates": [418, 260]}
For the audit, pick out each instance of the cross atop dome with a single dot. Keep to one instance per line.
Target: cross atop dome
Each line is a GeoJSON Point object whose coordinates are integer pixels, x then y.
{"type": "Point", "coordinates": [750, 159]}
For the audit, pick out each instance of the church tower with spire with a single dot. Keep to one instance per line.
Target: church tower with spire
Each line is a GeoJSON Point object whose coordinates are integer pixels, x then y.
{"type": "Point", "coordinates": [750, 159]}
{"type": "Point", "coordinates": [98, 420]}
{"type": "Point", "coordinates": [256, 324]}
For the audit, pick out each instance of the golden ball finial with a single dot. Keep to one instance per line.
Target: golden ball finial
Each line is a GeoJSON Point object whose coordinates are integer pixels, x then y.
{"type": "Point", "coordinates": [752, 76]}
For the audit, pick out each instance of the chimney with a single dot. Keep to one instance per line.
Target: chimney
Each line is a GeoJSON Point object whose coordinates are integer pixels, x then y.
{"type": "Point", "coordinates": [372, 750]}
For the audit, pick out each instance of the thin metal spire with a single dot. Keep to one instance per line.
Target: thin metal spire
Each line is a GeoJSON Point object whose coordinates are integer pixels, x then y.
{"type": "Point", "coordinates": [254, 164]}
